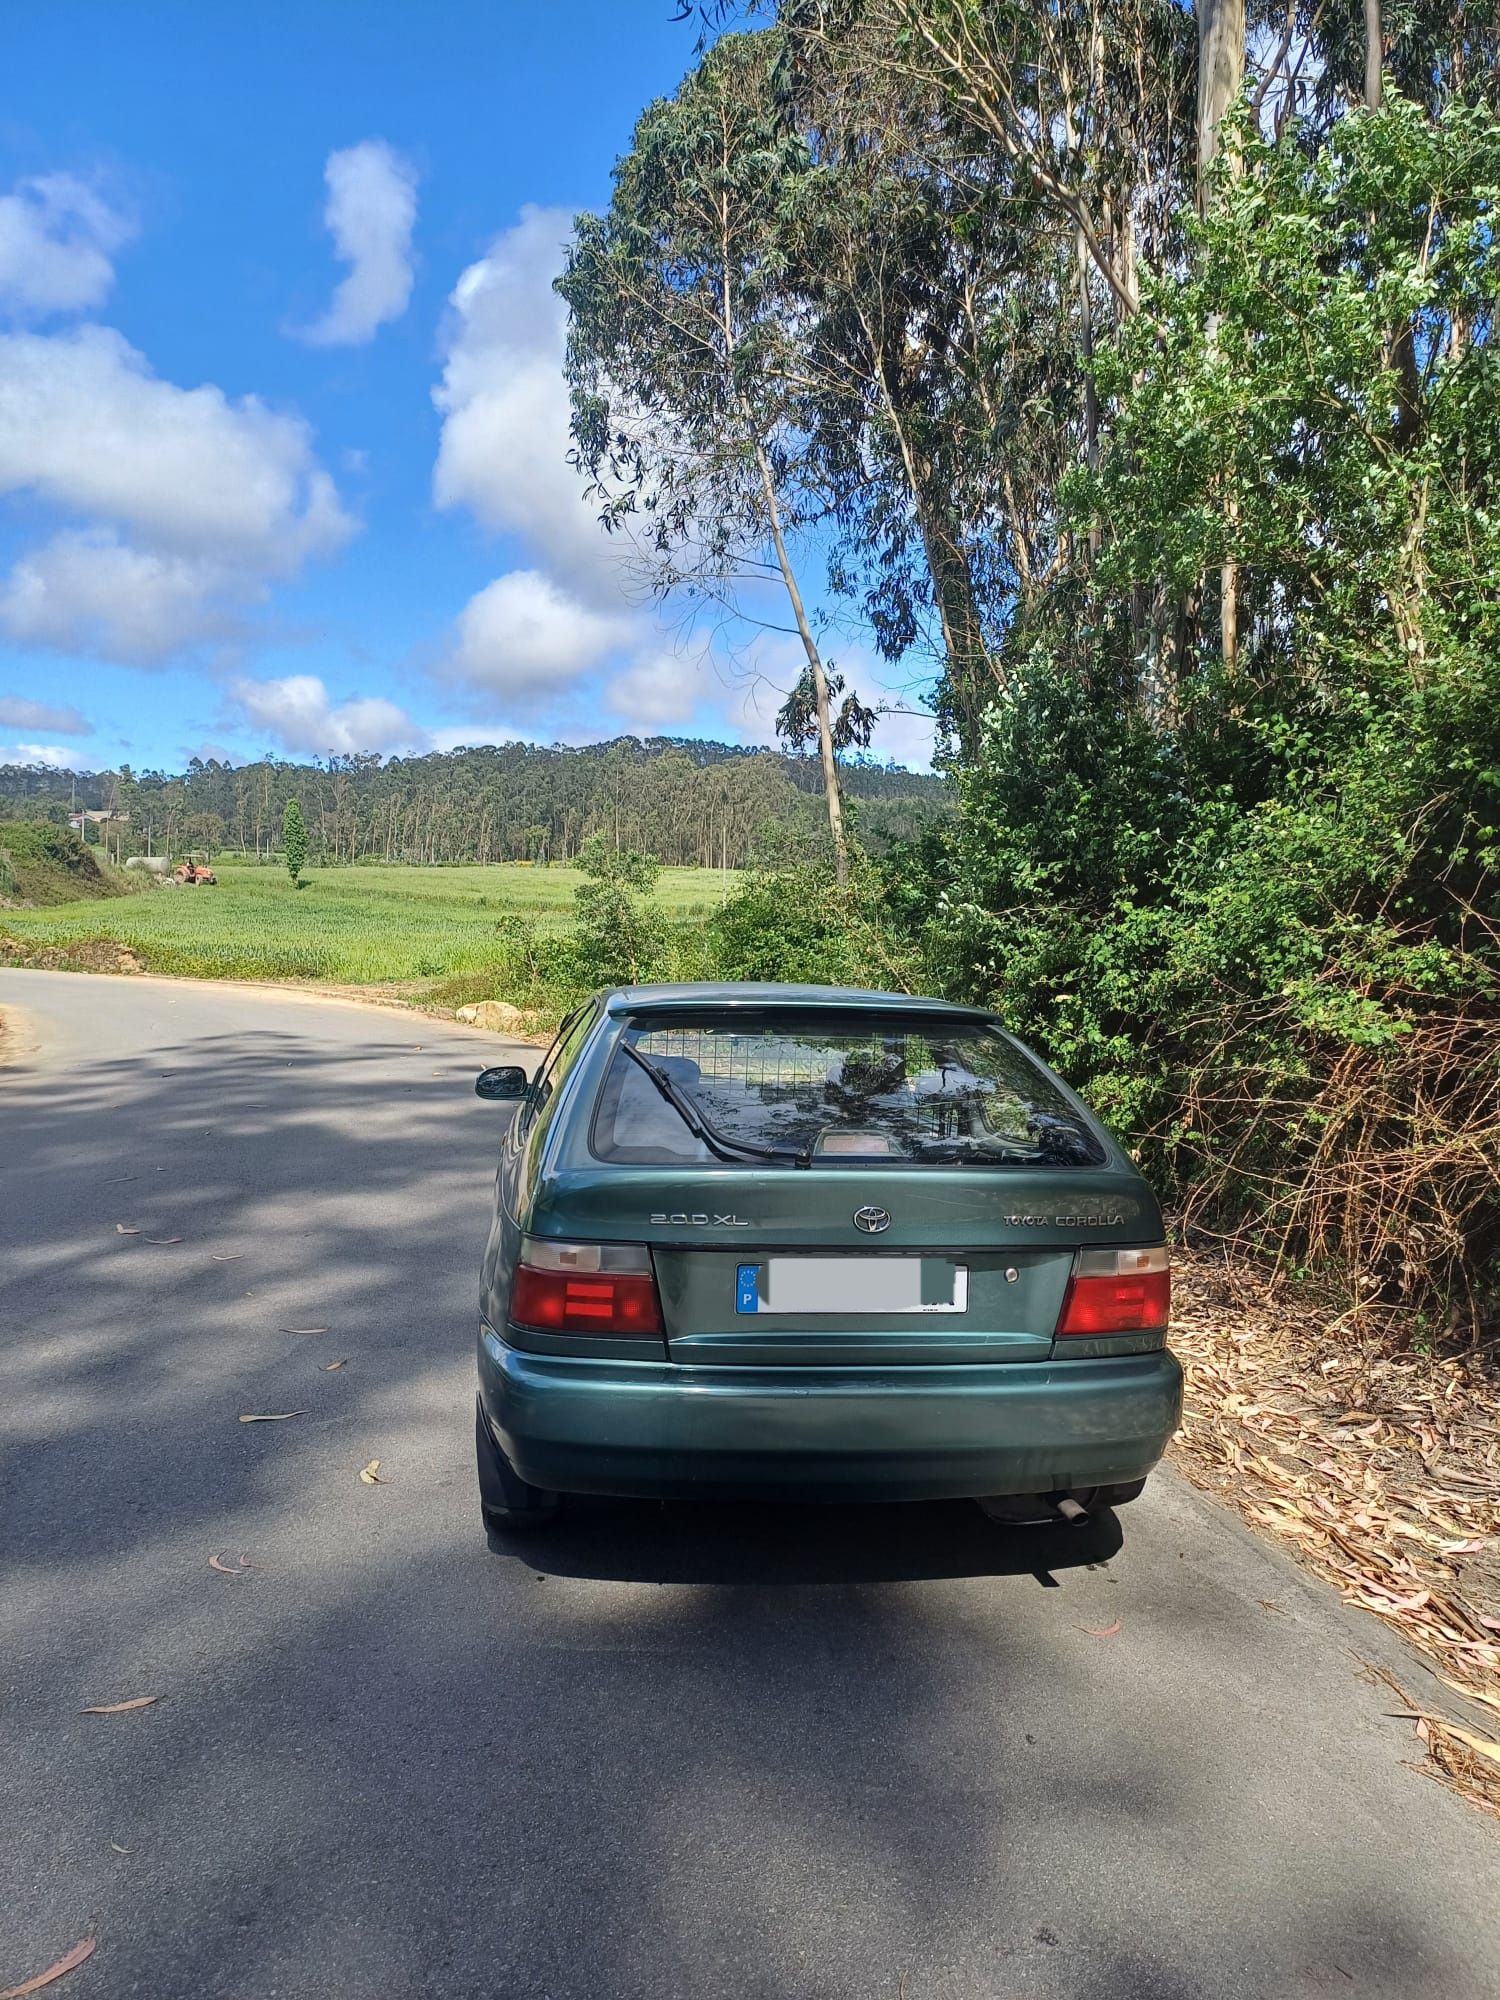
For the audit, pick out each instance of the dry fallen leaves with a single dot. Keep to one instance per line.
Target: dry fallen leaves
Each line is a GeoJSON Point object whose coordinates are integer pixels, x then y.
{"type": "Point", "coordinates": [121, 1707]}
{"type": "Point", "coordinates": [74, 1958]}
{"type": "Point", "coordinates": [274, 1417]}
{"type": "Point", "coordinates": [163, 1240]}
{"type": "Point", "coordinates": [329, 1366]}
{"type": "Point", "coordinates": [1452, 1748]}
{"type": "Point", "coordinates": [298, 1329]}
{"type": "Point", "coordinates": [226, 1256]}
{"type": "Point", "coordinates": [1472, 1694]}
{"type": "Point", "coordinates": [1379, 1469]}
{"type": "Point", "coordinates": [1105, 1632]}
{"type": "Point", "coordinates": [231, 1569]}
{"type": "Point", "coordinates": [126, 1229]}
{"type": "Point", "coordinates": [370, 1473]}
{"type": "Point", "coordinates": [1482, 1746]}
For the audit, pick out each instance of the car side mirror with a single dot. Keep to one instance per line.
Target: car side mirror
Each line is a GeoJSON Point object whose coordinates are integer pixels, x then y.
{"type": "Point", "coordinates": [505, 1082]}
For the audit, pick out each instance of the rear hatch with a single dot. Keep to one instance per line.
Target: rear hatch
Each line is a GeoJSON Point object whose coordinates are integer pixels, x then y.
{"type": "Point", "coordinates": [869, 1181]}
{"type": "Point", "coordinates": [769, 1267]}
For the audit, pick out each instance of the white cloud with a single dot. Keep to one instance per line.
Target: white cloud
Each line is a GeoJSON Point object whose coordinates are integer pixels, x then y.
{"type": "Point", "coordinates": [905, 737]}
{"type": "Point", "coordinates": [87, 591]}
{"type": "Point", "coordinates": [467, 737]}
{"type": "Point", "coordinates": [370, 212]}
{"type": "Point", "coordinates": [36, 753]}
{"type": "Point", "coordinates": [16, 712]}
{"type": "Point", "coordinates": [57, 241]}
{"type": "Point", "coordinates": [523, 637]}
{"type": "Point", "coordinates": [659, 690]}
{"type": "Point", "coordinates": [300, 714]}
{"type": "Point", "coordinates": [192, 502]}
{"type": "Point", "coordinates": [85, 425]}
{"type": "Point", "coordinates": [504, 447]}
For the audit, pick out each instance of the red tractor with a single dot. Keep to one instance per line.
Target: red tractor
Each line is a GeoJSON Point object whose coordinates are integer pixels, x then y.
{"type": "Point", "coordinates": [191, 876]}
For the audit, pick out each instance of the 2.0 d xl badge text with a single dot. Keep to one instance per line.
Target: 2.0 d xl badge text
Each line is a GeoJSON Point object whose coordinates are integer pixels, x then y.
{"type": "Point", "coordinates": [800, 1241]}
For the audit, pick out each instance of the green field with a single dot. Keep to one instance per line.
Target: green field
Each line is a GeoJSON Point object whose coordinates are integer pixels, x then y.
{"type": "Point", "coordinates": [363, 926]}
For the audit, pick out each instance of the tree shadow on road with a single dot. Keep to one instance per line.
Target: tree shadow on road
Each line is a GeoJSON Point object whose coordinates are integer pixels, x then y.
{"type": "Point", "coordinates": [804, 1754]}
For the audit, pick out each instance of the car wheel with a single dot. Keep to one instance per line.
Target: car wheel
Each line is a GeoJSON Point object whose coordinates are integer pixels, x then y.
{"type": "Point", "coordinates": [506, 1500]}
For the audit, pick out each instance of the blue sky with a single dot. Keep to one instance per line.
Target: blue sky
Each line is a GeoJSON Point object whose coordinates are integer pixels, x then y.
{"type": "Point", "coordinates": [282, 428]}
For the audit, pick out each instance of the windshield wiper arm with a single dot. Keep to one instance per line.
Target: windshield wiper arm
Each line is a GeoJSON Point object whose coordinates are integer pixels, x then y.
{"type": "Point", "coordinates": [702, 1127]}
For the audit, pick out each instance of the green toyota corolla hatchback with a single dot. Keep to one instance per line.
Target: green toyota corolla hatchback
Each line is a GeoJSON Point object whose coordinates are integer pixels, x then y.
{"type": "Point", "coordinates": [807, 1242]}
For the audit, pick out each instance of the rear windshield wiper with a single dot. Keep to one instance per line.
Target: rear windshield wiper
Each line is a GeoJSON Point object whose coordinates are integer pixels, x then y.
{"type": "Point", "coordinates": [723, 1144]}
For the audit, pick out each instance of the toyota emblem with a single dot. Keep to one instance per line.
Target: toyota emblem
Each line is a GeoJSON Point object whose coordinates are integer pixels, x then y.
{"type": "Point", "coordinates": [872, 1220]}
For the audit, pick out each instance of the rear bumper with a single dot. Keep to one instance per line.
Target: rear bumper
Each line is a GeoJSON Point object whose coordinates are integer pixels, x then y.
{"type": "Point", "coordinates": [655, 1429]}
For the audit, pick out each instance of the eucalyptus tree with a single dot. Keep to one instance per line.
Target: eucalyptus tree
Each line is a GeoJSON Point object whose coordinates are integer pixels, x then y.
{"type": "Point", "coordinates": [797, 718]}
{"type": "Point", "coordinates": [888, 257]}
{"type": "Point", "coordinates": [997, 181]}
{"type": "Point", "coordinates": [681, 347]}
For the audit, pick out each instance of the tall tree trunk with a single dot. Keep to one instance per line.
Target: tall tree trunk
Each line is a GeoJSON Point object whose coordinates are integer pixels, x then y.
{"type": "Point", "coordinates": [1374, 54]}
{"type": "Point", "coordinates": [969, 667]}
{"type": "Point", "coordinates": [815, 663]}
{"type": "Point", "coordinates": [1221, 73]}
{"type": "Point", "coordinates": [1090, 386]}
{"type": "Point", "coordinates": [1403, 346]}
{"type": "Point", "coordinates": [783, 557]}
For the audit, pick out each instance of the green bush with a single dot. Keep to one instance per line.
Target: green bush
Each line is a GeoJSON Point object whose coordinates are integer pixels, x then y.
{"type": "Point", "coordinates": [46, 864]}
{"type": "Point", "coordinates": [619, 936]}
{"type": "Point", "coordinates": [797, 925]}
{"type": "Point", "coordinates": [1248, 905]}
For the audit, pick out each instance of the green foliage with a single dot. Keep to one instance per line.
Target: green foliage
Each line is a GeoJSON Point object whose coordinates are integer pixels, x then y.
{"type": "Point", "coordinates": [796, 924]}
{"type": "Point", "coordinates": [674, 331]}
{"type": "Point", "coordinates": [852, 724]}
{"type": "Point", "coordinates": [618, 934]}
{"type": "Point", "coordinates": [45, 864]}
{"type": "Point", "coordinates": [294, 840]}
{"type": "Point", "coordinates": [1248, 903]}
{"type": "Point", "coordinates": [625, 867]}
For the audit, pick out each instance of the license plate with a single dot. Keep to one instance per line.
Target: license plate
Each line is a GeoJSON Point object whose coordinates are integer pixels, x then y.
{"type": "Point", "coordinates": [815, 1285]}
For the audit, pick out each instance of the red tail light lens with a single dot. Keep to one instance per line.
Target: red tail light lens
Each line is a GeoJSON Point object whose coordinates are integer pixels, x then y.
{"type": "Point", "coordinates": [599, 1288]}
{"type": "Point", "coordinates": [1117, 1291]}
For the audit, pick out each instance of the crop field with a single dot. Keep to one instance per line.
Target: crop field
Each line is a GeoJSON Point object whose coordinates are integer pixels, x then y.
{"type": "Point", "coordinates": [361, 926]}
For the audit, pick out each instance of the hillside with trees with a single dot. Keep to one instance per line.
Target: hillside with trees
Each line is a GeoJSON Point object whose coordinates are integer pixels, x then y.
{"type": "Point", "coordinates": [690, 803]}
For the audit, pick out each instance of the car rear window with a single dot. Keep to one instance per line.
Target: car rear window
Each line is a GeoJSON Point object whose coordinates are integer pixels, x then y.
{"type": "Point", "coordinates": [828, 1088]}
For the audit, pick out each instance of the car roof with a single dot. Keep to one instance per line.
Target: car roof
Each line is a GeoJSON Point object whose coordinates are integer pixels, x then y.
{"type": "Point", "coordinates": [769, 993]}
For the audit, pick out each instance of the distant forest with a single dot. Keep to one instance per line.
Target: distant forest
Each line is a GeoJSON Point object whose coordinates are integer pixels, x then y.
{"type": "Point", "coordinates": [689, 803]}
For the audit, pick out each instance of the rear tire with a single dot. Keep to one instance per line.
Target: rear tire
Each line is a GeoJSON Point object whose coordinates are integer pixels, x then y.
{"type": "Point", "coordinates": [506, 1500]}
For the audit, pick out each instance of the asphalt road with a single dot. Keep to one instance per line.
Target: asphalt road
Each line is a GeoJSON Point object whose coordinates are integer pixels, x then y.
{"type": "Point", "coordinates": [796, 1753]}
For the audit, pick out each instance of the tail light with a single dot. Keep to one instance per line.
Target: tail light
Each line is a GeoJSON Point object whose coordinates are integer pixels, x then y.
{"type": "Point", "coordinates": [1117, 1291]}
{"type": "Point", "coordinates": [600, 1288]}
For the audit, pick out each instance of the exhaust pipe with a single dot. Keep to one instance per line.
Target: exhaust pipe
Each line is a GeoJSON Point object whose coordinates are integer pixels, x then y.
{"type": "Point", "coordinates": [1036, 1510]}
